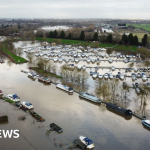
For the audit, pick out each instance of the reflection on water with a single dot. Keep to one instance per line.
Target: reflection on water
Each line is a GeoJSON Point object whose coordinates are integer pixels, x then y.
{"type": "Point", "coordinates": [76, 116]}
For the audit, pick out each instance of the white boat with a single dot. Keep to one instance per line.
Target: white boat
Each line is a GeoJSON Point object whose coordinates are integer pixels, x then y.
{"type": "Point", "coordinates": [144, 77]}
{"type": "Point", "coordinates": [88, 60]}
{"type": "Point", "coordinates": [46, 57]}
{"type": "Point", "coordinates": [112, 68]}
{"type": "Point", "coordinates": [48, 54]}
{"type": "Point", "coordinates": [66, 59]}
{"type": "Point", "coordinates": [121, 76]}
{"type": "Point", "coordinates": [60, 59]}
{"type": "Point", "coordinates": [146, 123]}
{"type": "Point", "coordinates": [27, 105]}
{"type": "Point", "coordinates": [65, 88]}
{"type": "Point", "coordinates": [107, 55]}
{"type": "Point", "coordinates": [94, 75]}
{"type": "Point", "coordinates": [84, 67]}
{"type": "Point", "coordinates": [135, 69]}
{"type": "Point", "coordinates": [110, 75]}
{"type": "Point", "coordinates": [89, 97]}
{"type": "Point", "coordinates": [41, 54]}
{"type": "Point", "coordinates": [79, 66]}
{"type": "Point", "coordinates": [37, 54]}
{"type": "Point", "coordinates": [76, 60]}
{"type": "Point", "coordinates": [106, 75]}
{"type": "Point", "coordinates": [56, 51]}
{"type": "Point", "coordinates": [13, 97]}
{"type": "Point", "coordinates": [100, 76]}
{"type": "Point", "coordinates": [126, 60]}
{"type": "Point", "coordinates": [110, 60]}
{"type": "Point", "coordinates": [32, 75]}
{"type": "Point", "coordinates": [93, 60]}
{"type": "Point", "coordinates": [55, 59]}
{"type": "Point", "coordinates": [89, 143]}
{"type": "Point", "coordinates": [79, 55]}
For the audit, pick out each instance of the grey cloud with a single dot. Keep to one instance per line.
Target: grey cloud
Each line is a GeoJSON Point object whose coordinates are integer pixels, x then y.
{"type": "Point", "coordinates": [74, 9]}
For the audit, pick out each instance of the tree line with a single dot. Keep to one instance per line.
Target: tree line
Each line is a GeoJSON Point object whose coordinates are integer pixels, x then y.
{"type": "Point", "coordinates": [54, 34]}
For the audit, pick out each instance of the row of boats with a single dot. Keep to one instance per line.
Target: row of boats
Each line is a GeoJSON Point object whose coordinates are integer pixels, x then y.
{"type": "Point", "coordinates": [77, 59]}
{"type": "Point", "coordinates": [120, 75]}
{"type": "Point", "coordinates": [81, 54]}
{"type": "Point", "coordinates": [15, 98]}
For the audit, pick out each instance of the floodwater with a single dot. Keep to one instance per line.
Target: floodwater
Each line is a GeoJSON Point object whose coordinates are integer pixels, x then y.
{"type": "Point", "coordinates": [76, 116]}
{"type": "Point", "coordinates": [55, 27]}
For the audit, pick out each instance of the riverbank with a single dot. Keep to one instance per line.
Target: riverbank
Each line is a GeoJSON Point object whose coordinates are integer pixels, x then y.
{"type": "Point", "coordinates": [13, 57]}
{"type": "Point", "coordinates": [44, 72]}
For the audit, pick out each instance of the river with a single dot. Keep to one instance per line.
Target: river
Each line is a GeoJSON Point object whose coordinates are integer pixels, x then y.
{"type": "Point", "coordinates": [76, 116]}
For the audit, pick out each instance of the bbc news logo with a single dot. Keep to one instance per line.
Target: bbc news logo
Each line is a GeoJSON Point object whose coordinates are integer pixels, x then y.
{"type": "Point", "coordinates": [9, 134]}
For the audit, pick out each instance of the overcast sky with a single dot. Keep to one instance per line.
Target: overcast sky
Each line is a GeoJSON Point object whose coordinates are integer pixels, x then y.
{"type": "Point", "coordinates": [74, 8]}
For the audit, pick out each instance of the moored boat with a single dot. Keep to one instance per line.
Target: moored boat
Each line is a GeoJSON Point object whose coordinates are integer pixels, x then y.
{"type": "Point", "coordinates": [65, 88]}
{"type": "Point", "coordinates": [118, 109]}
{"type": "Point", "coordinates": [3, 118]}
{"type": "Point", "coordinates": [146, 123]}
{"type": "Point", "coordinates": [89, 97]}
{"type": "Point", "coordinates": [45, 80]}
{"type": "Point", "coordinates": [13, 97]}
{"type": "Point", "coordinates": [88, 142]}
{"type": "Point", "coordinates": [27, 105]}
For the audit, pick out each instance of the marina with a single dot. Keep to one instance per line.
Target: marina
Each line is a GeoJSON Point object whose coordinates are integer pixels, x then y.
{"type": "Point", "coordinates": [71, 112]}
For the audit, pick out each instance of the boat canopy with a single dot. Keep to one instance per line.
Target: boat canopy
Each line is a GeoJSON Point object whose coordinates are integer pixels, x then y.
{"type": "Point", "coordinates": [15, 96]}
{"type": "Point", "coordinates": [88, 141]}
{"type": "Point", "coordinates": [28, 104]}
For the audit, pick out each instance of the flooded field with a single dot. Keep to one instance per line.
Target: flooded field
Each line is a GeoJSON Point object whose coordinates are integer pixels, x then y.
{"type": "Point", "coordinates": [76, 116]}
{"type": "Point", "coordinates": [55, 27]}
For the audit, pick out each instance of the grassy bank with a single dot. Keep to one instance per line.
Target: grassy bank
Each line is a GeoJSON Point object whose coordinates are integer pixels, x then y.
{"type": "Point", "coordinates": [44, 72]}
{"type": "Point", "coordinates": [67, 41]}
{"type": "Point", "coordinates": [17, 59]}
{"type": "Point", "coordinates": [146, 27]}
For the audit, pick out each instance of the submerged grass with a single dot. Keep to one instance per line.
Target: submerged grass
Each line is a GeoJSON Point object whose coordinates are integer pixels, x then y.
{"type": "Point", "coordinates": [44, 72]}
{"type": "Point", "coordinates": [17, 59]}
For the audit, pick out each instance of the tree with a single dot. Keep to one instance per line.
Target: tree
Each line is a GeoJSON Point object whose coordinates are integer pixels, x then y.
{"type": "Point", "coordinates": [69, 36]}
{"type": "Point", "coordinates": [109, 38]}
{"type": "Point", "coordinates": [135, 40]}
{"type": "Point", "coordinates": [148, 40]}
{"type": "Point", "coordinates": [144, 40]}
{"type": "Point", "coordinates": [55, 34]}
{"type": "Point", "coordinates": [95, 37]}
{"type": "Point", "coordinates": [51, 34]}
{"type": "Point", "coordinates": [130, 39]}
{"type": "Point", "coordinates": [124, 39]}
{"type": "Point", "coordinates": [62, 34]}
{"type": "Point", "coordinates": [82, 35]}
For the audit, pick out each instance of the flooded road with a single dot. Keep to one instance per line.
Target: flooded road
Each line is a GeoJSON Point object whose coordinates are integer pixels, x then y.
{"type": "Point", "coordinates": [76, 116]}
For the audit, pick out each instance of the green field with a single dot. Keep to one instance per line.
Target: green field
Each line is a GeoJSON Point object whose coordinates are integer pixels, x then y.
{"type": "Point", "coordinates": [16, 58]}
{"type": "Point", "coordinates": [118, 47]}
{"type": "Point", "coordinates": [143, 26]}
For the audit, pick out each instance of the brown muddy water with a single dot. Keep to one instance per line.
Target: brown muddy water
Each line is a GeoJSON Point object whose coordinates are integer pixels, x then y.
{"type": "Point", "coordinates": [76, 116]}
